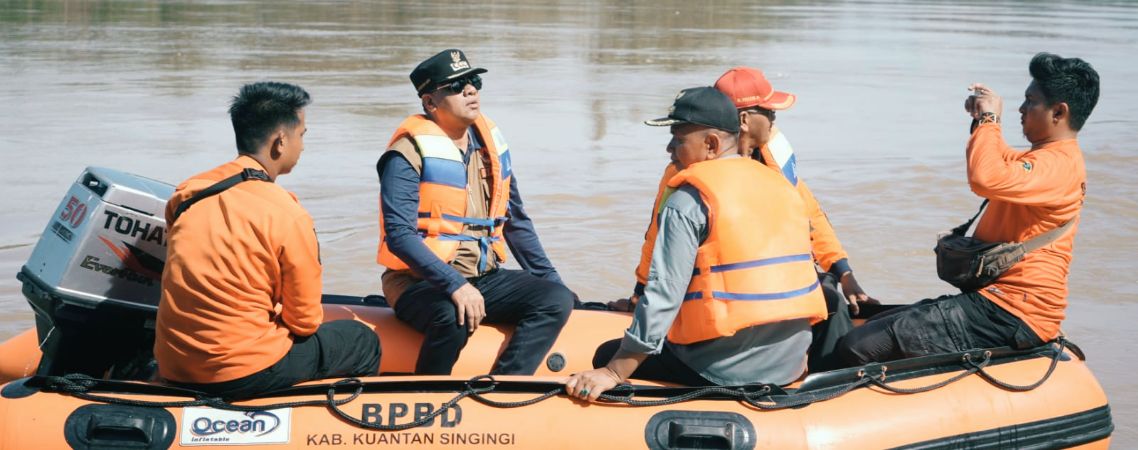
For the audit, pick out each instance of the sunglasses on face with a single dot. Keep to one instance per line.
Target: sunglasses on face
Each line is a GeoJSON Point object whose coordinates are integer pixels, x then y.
{"type": "Point", "coordinates": [762, 112]}
{"type": "Point", "coordinates": [458, 85]}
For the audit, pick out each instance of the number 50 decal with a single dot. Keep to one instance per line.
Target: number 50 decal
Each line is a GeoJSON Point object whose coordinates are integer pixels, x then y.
{"type": "Point", "coordinates": [74, 212]}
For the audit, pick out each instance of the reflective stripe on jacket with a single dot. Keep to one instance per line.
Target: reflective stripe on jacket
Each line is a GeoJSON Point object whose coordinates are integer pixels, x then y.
{"type": "Point", "coordinates": [779, 155]}
{"type": "Point", "coordinates": [443, 186]}
{"type": "Point", "coordinates": [755, 266]}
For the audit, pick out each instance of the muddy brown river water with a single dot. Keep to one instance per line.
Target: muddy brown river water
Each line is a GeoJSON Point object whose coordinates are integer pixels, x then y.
{"type": "Point", "coordinates": [143, 86]}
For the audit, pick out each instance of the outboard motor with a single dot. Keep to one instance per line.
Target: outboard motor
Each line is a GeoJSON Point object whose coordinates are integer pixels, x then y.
{"type": "Point", "coordinates": [94, 277]}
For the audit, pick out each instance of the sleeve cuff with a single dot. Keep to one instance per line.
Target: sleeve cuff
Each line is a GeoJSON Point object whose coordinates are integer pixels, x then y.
{"type": "Point", "coordinates": [453, 282]}
{"type": "Point", "coordinates": [840, 267]}
{"type": "Point", "coordinates": [552, 275]}
{"type": "Point", "coordinates": [632, 344]}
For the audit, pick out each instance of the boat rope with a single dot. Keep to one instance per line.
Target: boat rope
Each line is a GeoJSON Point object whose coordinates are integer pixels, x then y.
{"type": "Point", "coordinates": [977, 368]}
{"type": "Point", "coordinates": [80, 385]}
{"type": "Point", "coordinates": [1050, 370]}
{"type": "Point", "coordinates": [967, 359]}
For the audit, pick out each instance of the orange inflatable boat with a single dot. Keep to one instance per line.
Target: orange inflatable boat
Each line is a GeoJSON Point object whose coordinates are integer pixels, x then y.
{"type": "Point", "coordinates": [82, 379]}
{"type": "Point", "coordinates": [985, 402]}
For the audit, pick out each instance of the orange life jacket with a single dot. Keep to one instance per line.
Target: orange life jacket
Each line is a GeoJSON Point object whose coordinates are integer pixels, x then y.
{"type": "Point", "coordinates": [755, 266]}
{"type": "Point", "coordinates": [443, 191]}
{"type": "Point", "coordinates": [777, 154]}
{"type": "Point", "coordinates": [650, 235]}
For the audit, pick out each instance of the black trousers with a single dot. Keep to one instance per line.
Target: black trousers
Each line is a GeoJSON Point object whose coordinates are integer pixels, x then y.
{"type": "Point", "coordinates": [828, 333]}
{"type": "Point", "coordinates": [664, 366]}
{"type": "Point", "coordinates": [537, 306]}
{"type": "Point", "coordinates": [340, 348]}
{"type": "Point", "coordinates": [946, 324]}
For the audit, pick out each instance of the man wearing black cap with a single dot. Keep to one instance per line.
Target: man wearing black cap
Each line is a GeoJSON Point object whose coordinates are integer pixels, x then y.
{"type": "Point", "coordinates": [734, 296]}
{"type": "Point", "coordinates": [448, 205]}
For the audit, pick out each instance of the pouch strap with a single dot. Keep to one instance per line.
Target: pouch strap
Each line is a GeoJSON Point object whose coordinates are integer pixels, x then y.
{"type": "Point", "coordinates": [1037, 242]}
{"type": "Point", "coordinates": [960, 230]}
{"type": "Point", "coordinates": [1014, 252]}
{"type": "Point", "coordinates": [219, 187]}
{"type": "Point", "coordinates": [1029, 245]}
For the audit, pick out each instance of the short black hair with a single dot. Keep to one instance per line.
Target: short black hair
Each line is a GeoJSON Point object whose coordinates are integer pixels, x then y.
{"type": "Point", "coordinates": [1067, 80]}
{"type": "Point", "coordinates": [259, 109]}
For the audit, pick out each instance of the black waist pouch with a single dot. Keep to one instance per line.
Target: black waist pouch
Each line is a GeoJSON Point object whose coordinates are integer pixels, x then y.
{"type": "Point", "coordinates": [971, 264]}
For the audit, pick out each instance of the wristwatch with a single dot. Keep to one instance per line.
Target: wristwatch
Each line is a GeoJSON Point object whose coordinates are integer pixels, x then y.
{"type": "Point", "coordinates": [988, 117]}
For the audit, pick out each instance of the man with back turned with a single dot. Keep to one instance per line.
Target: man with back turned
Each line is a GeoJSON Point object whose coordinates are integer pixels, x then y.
{"type": "Point", "coordinates": [240, 312]}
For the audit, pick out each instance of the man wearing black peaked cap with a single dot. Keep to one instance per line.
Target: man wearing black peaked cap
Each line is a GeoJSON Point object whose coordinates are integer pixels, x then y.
{"type": "Point", "coordinates": [731, 290]}
{"type": "Point", "coordinates": [449, 203]}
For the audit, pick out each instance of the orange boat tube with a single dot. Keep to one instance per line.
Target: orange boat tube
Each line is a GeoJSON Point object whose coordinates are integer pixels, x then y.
{"type": "Point", "coordinates": [978, 399]}
{"type": "Point", "coordinates": [21, 356]}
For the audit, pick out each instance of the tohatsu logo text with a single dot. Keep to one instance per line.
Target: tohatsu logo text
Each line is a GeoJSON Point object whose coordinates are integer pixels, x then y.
{"type": "Point", "coordinates": [207, 426]}
{"type": "Point", "coordinates": [135, 228]}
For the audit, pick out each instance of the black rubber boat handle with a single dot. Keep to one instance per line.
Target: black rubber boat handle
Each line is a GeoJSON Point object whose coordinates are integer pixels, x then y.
{"type": "Point", "coordinates": [682, 436]}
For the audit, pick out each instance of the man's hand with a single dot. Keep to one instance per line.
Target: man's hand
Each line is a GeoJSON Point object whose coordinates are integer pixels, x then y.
{"type": "Point", "coordinates": [854, 293]}
{"type": "Point", "coordinates": [590, 384]}
{"type": "Point", "coordinates": [622, 304]}
{"type": "Point", "coordinates": [471, 306]}
{"type": "Point", "coordinates": [983, 100]}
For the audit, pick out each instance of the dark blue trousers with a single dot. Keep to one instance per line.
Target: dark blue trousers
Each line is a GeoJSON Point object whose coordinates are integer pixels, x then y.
{"type": "Point", "coordinates": [538, 307]}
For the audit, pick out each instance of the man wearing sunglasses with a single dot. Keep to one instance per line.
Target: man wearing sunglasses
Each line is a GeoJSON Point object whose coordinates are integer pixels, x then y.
{"type": "Point", "coordinates": [449, 203]}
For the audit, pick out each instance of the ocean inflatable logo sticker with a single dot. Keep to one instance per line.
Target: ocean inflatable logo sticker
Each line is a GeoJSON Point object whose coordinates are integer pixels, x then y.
{"type": "Point", "coordinates": [208, 426]}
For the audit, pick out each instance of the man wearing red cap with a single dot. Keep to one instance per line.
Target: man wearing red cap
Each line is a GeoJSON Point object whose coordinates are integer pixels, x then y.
{"type": "Point", "coordinates": [756, 102]}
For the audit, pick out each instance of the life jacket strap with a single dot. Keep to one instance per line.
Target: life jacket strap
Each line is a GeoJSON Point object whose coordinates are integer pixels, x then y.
{"type": "Point", "coordinates": [493, 223]}
{"type": "Point", "coordinates": [484, 243]}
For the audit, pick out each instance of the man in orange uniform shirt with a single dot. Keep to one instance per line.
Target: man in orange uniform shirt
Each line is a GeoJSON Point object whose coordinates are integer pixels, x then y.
{"type": "Point", "coordinates": [240, 311]}
{"type": "Point", "coordinates": [1029, 193]}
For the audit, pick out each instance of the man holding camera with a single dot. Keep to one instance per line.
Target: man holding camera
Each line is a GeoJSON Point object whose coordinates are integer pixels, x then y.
{"type": "Point", "coordinates": [1029, 193]}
